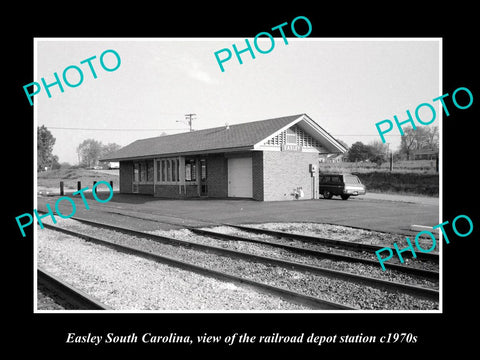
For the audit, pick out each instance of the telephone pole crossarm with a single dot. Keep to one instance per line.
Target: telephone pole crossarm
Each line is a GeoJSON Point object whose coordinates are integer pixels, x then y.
{"type": "Point", "coordinates": [189, 119]}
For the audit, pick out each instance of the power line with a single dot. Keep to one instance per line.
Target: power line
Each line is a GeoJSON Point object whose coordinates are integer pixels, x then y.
{"type": "Point", "coordinates": [152, 129]}
{"type": "Point", "coordinates": [188, 118]}
{"type": "Point", "coordinates": [110, 129]}
{"type": "Point", "coordinates": [190, 126]}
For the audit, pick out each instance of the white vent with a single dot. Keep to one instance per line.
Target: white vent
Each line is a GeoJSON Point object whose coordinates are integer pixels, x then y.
{"type": "Point", "coordinates": [302, 138]}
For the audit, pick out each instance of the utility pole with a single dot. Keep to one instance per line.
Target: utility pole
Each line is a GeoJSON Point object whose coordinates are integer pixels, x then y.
{"type": "Point", "coordinates": [391, 161]}
{"type": "Point", "coordinates": [390, 156]}
{"type": "Point", "coordinates": [189, 117]}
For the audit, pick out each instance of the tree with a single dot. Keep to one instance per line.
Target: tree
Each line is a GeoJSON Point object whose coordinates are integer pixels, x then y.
{"type": "Point", "coordinates": [359, 152]}
{"type": "Point", "coordinates": [45, 143]}
{"type": "Point", "coordinates": [420, 138]}
{"type": "Point", "coordinates": [65, 165]}
{"type": "Point", "coordinates": [378, 151]}
{"type": "Point", "coordinates": [89, 152]}
{"type": "Point", "coordinates": [432, 138]}
{"type": "Point", "coordinates": [55, 164]}
{"type": "Point", "coordinates": [109, 148]}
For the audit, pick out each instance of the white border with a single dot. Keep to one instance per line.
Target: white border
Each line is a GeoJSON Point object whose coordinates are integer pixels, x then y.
{"type": "Point", "coordinates": [35, 230]}
{"type": "Point", "coordinates": [35, 184]}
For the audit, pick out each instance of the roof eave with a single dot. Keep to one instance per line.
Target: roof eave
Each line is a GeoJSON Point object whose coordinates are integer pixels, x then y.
{"type": "Point", "coordinates": [187, 153]}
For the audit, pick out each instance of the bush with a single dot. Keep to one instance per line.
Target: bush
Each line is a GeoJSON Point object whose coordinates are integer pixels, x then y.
{"type": "Point", "coordinates": [410, 183]}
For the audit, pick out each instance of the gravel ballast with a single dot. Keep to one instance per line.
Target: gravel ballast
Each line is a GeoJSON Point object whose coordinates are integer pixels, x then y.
{"type": "Point", "coordinates": [46, 300]}
{"type": "Point", "coordinates": [370, 255]}
{"type": "Point", "coordinates": [128, 282]}
{"type": "Point", "coordinates": [354, 268]}
{"type": "Point", "coordinates": [335, 290]}
{"type": "Point", "coordinates": [345, 233]}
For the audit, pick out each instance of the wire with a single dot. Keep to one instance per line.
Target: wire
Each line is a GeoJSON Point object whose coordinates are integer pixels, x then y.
{"type": "Point", "coordinates": [109, 129]}
{"type": "Point", "coordinates": [123, 129]}
{"type": "Point", "coordinates": [364, 135]}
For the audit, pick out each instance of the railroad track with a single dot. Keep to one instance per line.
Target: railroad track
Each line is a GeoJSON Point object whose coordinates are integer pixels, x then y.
{"type": "Point", "coordinates": [310, 301]}
{"type": "Point", "coordinates": [181, 222]}
{"type": "Point", "coordinates": [280, 243]}
{"type": "Point", "coordinates": [335, 243]}
{"type": "Point", "coordinates": [354, 248]}
{"type": "Point", "coordinates": [193, 224]}
{"type": "Point", "coordinates": [416, 291]}
{"type": "Point", "coordinates": [68, 293]}
{"type": "Point", "coordinates": [414, 268]}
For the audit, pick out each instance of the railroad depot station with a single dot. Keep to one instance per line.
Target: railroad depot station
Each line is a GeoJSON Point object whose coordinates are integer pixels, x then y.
{"type": "Point", "coordinates": [267, 160]}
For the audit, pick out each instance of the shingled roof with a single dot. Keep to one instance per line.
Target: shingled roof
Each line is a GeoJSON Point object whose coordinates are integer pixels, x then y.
{"type": "Point", "coordinates": [220, 139]}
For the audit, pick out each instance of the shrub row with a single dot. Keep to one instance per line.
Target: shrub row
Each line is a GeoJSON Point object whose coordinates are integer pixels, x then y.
{"type": "Point", "coordinates": [413, 183]}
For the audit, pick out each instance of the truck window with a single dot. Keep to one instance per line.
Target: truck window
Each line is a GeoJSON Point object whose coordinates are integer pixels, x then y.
{"type": "Point", "coordinates": [351, 179]}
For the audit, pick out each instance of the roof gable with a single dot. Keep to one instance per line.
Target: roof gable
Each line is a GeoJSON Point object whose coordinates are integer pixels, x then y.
{"type": "Point", "coordinates": [308, 133]}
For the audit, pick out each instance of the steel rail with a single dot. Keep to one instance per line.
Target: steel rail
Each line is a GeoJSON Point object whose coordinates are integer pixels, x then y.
{"type": "Point", "coordinates": [306, 300]}
{"type": "Point", "coordinates": [74, 296]}
{"type": "Point", "coordinates": [433, 257]}
{"type": "Point", "coordinates": [417, 291]}
{"type": "Point", "coordinates": [320, 254]}
{"type": "Point", "coordinates": [338, 243]}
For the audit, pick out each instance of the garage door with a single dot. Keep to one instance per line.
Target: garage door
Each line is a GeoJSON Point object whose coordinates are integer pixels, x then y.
{"type": "Point", "coordinates": [240, 177]}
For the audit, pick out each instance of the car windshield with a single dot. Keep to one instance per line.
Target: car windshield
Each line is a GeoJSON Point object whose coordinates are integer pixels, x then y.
{"type": "Point", "coordinates": [351, 179]}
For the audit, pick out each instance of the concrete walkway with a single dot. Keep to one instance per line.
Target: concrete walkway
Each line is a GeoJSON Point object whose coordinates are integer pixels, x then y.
{"type": "Point", "coordinates": [425, 200]}
{"type": "Point", "coordinates": [383, 212]}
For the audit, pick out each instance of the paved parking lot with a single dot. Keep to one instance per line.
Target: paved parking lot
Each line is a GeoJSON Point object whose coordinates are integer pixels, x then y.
{"type": "Point", "coordinates": [384, 213]}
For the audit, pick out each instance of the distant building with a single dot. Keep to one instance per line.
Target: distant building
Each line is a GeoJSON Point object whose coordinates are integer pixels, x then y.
{"type": "Point", "coordinates": [266, 160]}
{"type": "Point", "coordinates": [331, 158]}
{"type": "Point", "coordinates": [424, 154]}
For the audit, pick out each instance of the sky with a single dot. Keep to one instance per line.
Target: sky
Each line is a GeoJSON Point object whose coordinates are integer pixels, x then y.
{"type": "Point", "coordinates": [345, 85]}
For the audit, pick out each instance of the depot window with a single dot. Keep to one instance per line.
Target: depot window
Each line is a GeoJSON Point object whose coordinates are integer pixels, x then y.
{"type": "Point", "coordinates": [143, 172]}
{"type": "Point", "coordinates": [190, 170]}
{"type": "Point", "coordinates": [136, 172]}
{"type": "Point", "coordinates": [149, 171]}
{"type": "Point", "coordinates": [168, 170]}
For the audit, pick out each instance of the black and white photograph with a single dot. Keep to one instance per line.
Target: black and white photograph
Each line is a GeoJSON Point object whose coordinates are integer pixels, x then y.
{"type": "Point", "coordinates": [243, 189]}
{"type": "Point", "coordinates": [273, 183]}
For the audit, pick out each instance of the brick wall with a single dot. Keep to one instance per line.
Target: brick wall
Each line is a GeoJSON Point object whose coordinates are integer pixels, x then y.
{"type": "Point", "coordinates": [126, 177]}
{"type": "Point", "coordinates": [146, 189]}
{"type": "Point", "coordinates": [167, 191]}
{"type": "Point", "coordinates": [284, 171]}
{"type": "Point", "coordinates": [275, 175]}
{"type": "Point", "coordinates": [172, 191]}
{"type": "Point", "coordinates": [257, 175]}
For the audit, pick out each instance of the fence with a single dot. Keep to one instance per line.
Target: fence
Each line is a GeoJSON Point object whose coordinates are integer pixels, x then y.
{"type": "Point", "coordinates": [79, 186]}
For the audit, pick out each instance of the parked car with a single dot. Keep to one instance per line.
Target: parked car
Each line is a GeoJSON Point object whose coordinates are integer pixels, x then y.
{"type": "Point", "coordinates": [343, 185]}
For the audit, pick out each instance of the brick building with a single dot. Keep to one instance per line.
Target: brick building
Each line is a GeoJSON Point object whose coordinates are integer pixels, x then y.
{"type": "Point", "coordinates": [275, 159]}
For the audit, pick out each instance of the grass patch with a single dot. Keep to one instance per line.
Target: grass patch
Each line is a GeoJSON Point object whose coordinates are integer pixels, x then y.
{"type": "Point", "coordinates": [403, 166]}
{"type": "Point", "coordinates": [52, 178]}
{"type": "Point", "coordinates": [404, 183]}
